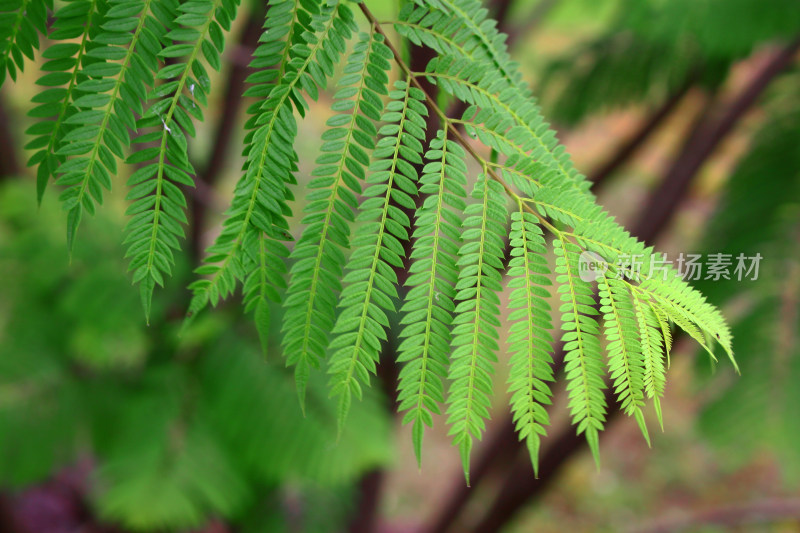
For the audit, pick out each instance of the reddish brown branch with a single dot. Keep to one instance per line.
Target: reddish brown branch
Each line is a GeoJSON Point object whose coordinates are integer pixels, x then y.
{"type": "Point", "coordinates": [499, 10]}
{"type": "Point", "coordinates": [502, 443]}
{"type": "Point", "coordinates": [9, 164]}
{"type": "Point", "coordinates": [370, 489]}
{"type": "Point", "coordinates": [705, 140]}
{"type": "Point", "coordinates": [627, 149]}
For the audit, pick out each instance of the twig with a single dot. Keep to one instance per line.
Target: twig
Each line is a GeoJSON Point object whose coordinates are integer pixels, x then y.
{"type": "Point", "coordinates": [450, 124]}
{"type": "Point", "coordinates": [500, 10]}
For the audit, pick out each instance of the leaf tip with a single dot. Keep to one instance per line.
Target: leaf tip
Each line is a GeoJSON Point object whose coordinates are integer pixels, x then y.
{"type": "Point", "coordinates": [657, 405]}
{"type": "Point", "coordinates": [642, 426]}
{"type": "Point", "coordinates": [342, 412]}
{"type": "Point", "coordinates": [262, 320]}
{"type": "Point", "coordinates": [593, 440]}
{"type": "Point", "coordinates": [417, 431]}
{"type": "Point", "coordinates": [146, 294]}
{"type": "Point", "coordinates": [465, 448]}
{"type": "Point", "coordinates": [532, 443]}
{"type": "Point", "coordinates": [300, 381]}
{"type": "Point", "coordinates": [73, 220]}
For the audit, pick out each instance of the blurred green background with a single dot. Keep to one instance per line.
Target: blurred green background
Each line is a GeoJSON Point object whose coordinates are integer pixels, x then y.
{"type": "Point", "coordinates": [685, 112]}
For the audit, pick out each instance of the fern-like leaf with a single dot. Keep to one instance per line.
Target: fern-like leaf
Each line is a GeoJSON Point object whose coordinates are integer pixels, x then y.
{"type": "Point", "coordinates": [481, 29]}
{"type": "Point", "coordinates": [625, 362]}
{"type": "Point", "coordinates": [378, 246]}
{"type": "Point", "coordinates": [652, 347]}
{"type": "Point", "coordinates": [155, 230]}
{"type": "Point", "coordinates": [529, 338]}
{"type": "Point", "coordinates": [504, 117]}
{"type": "Point", "coordinates": [260, 197]}
{"type": "Point", "coordinates": [582, 357]}
{"type": "Point", "coordinates": [21, 21]}
{"type": "Point", "coordinates": [595, 230]}
{"type": "Point", "coordinates": [284, 25]}
{"type": "Point", "coordinates": [476, 320]}
{"type": "Point", "coordinates": [310, 302]}
{"type": "Point", "coordinates": [428, 306]}
{"type": "Point", "coordinates": [75, 24]}
{"type": "Point", "coordinates": [125, 55]}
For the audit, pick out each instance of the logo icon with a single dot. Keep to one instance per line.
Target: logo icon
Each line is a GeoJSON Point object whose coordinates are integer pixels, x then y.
{"type": "Point", "coordinates": [591, 266]}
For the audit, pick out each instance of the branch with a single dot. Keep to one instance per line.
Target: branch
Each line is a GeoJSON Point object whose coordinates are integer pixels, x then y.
{"type": "Point", "coordinates": [502, 444]}
{"type": "Point", "coordinates": [627, 149]}
{"type": "Point", "coordinates": [499, 10]}
{"type": "Point", "coordinates": [9, 164]}
{"type": "Point", "coordinates": [448, 123]}
{"type": "Point", "coordinates": [369, 496]}
{"type": "Point", "coordinates": [704, 141]}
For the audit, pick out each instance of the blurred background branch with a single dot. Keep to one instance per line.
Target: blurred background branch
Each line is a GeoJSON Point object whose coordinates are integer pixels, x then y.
{"type": "Point", "coordinates": [9, 164]}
